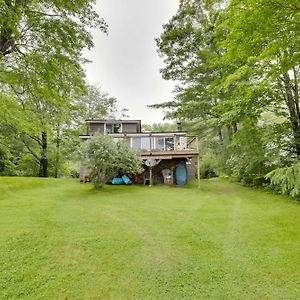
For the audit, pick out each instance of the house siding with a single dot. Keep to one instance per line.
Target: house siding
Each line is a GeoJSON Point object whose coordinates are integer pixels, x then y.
{"type": "Point", "coordinates": [129, 127]}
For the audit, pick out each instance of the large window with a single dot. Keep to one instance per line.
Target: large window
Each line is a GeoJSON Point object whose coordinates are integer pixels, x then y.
{"type": "Point", "coordinates": [164, 143]}
{"type": "Point", "coordinates": [140, 143]}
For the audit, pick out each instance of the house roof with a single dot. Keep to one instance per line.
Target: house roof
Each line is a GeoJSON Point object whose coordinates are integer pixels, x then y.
{"type": "Point", "coordinates": [111, 121]}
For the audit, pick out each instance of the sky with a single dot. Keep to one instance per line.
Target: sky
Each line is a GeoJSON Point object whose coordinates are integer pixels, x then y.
{"type": "Point", "coordinates": [125, 63]}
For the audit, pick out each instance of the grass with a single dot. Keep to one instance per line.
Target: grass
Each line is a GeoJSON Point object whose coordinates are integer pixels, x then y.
{"type": "Point", "coordinates": [63, 240]}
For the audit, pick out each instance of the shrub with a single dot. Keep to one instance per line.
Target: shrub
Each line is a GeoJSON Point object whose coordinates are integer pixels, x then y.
{"type": "Point", "coordinates": [286, 180]}
{"type": "Point", "coordinates": [209, 166]}
{"type": "Point", "coordinates": [104, 158]}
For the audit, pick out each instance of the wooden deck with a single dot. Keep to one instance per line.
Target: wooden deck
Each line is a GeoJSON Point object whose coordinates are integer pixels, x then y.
{"type": "Point", "coordinates": [161, 146]}
{"type": "Point", "coordinates": [170, 154]}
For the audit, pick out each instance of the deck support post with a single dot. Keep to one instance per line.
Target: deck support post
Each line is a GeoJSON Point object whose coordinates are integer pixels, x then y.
{"type": "Point", "coordinates": [150, 179]}
{"type": "Point", "coordinates": [198, 171]}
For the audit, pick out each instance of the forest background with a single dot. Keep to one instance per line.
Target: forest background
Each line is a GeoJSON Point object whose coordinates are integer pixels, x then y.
{"type": "Point", "coordinates": [237, 66]}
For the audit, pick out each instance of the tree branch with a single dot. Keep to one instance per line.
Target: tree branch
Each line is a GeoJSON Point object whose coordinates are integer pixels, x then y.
{"type": "Point", "coordinates": [30, 150]}
{"type": "Point", "coordinates": [36, 139]}
{"type": "Point", "coordinates": [43, 13]}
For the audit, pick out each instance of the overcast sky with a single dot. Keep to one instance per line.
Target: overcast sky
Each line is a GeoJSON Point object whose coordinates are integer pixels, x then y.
{"type": "Point", "coordinates": [125, 62]}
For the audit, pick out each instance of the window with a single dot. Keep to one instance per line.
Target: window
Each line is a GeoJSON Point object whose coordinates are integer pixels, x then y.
{"type": "Point", "coordinates": [113, 128]}
{"type": "Point", "coordinates": [164, 143]}
{"type": "Point", "coordinates": [169, 144]}
{"type": "Point", "coordinates": [136, 143]}
{"type": "Point", "coordinates": [145, 143]}
{"type": "Point", "coordinates": [108, 128]}
{"type": "Point", "coordinates": [160, 143]}
{"type": "Point", "coordinates": [117, 128]}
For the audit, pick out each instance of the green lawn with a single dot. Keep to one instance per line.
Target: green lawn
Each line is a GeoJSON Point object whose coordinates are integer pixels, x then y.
{"type": "Point", "coordinates": [63, 240]}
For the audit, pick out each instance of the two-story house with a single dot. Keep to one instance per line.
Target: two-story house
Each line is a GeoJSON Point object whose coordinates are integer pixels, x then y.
{"type": "Point", "coordinates": [160, 151]}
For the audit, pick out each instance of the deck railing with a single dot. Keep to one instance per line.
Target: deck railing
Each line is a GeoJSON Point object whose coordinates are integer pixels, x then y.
{"type": "Point", "coordinates": [144, 142]}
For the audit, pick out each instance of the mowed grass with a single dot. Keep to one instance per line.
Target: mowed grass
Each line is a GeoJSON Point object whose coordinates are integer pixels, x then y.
{"type": "Point", "coordinates": [63, 240]}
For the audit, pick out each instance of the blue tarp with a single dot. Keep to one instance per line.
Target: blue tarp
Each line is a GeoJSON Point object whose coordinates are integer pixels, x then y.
{"type": "Point", "coordinates": [119, 181]}
{"type": "Point", "coordinates": [126, 180]}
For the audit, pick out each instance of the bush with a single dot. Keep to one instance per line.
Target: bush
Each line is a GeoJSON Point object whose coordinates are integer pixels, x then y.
{"type": "Point", "coordinates": [246, 155]}
{"type": "Point", "coordinates": [209, 166]}
{"type": "Point", "coordinates": [286, 180]}
{"type": "Point", "coordinates": [104, 158]}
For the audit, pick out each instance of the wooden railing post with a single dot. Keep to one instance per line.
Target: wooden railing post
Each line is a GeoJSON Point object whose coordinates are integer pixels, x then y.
{"type": "Point", "coordinates": [150, 137]}
{"type": "Point", "coordinates": [198, 170]}
{"type": "Point", "coordinates": [175, 142]}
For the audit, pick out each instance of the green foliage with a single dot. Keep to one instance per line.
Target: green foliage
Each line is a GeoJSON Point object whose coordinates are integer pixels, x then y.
{"type": "Point", "coordinates": [7, 166]}
{"type": "Point", "coordinates": [99, 155]}
{"type": "Point", "coordinates": [286, 180]}
{"type": "Point", "coordinates": [42, 80]}
{"type": "Point", "coordinates": [247, 159]}
{"type": "Point", "coordinates": [209, 166]}
{"type": "Point", "coordinates": [104, 157]}
{"type": "Point", "coordinates": [127, 159]}
{"type": "Point", "coordinates": [237, 67]}
{"type": "Point", "coordinates": [50, 26]}
{"type": "Point", "coordinates": [96, 104]}
{"type": "Point", "coordinates": [260, 42]}
{"type": "Point", "coordinates": [160, 127]}
{"type": "Point", "coordinates": [21, 132]}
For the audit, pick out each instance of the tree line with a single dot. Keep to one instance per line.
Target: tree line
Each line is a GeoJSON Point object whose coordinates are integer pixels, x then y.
{"type": "Point", "coordinates": [44, 95]}
{"type": "Point", "coordinates": [237, 66]}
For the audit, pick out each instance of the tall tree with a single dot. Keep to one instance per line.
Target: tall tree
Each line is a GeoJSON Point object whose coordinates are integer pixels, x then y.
{"type": "Point", "coordinates": [261, 46]}
{"type": "Point", "coordinates": [235, 62]}
{"type": "Point", "coordinates": [28, 26]}
{"type": "Point", "coordinates": [187, 46]}
{"type": "Point", "coordinates": [41, 45]}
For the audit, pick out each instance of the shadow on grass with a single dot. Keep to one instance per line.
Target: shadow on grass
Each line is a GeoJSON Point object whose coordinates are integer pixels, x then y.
{"type": "Point", "coordinates": [106, 188]}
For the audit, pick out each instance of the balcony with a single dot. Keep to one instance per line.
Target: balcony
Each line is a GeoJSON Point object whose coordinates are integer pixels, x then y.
{"type": "Point", "coordinates": [160, 145]}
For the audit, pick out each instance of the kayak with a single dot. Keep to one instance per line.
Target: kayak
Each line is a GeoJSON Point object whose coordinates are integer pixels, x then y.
{"type": "Point", "coordinates": [181, 174]}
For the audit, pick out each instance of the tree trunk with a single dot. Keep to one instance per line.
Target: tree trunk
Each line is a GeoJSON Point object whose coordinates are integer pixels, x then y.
{"type": "Point", "coordinates": [6, 35]}
{"type": "Point", "coordinates": [235, 128]}
{"type": "Point", "coordinates": [230, 133]}
{"type": "Point", "coordinates": [99, 178]}
{"type": "Point", "coordinates": [220, 134]}
{"type": "Point", "coordinates": [44, 158]}
{"type": "Point", "coordinates": [293, 107]}
{"type": "Point", "coordinates": [57, 155]}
